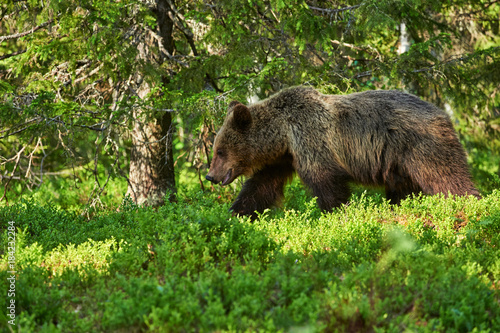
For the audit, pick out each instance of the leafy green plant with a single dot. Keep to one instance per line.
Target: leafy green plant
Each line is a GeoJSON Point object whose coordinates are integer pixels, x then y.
{"type": "Point", "coordinates": [429, 264]}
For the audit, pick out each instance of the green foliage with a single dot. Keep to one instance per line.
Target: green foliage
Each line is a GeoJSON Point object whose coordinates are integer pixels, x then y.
{"type": "Point", "coordinates": [69, 91]}
{"type": "Point", "coordinates": [429, 264]}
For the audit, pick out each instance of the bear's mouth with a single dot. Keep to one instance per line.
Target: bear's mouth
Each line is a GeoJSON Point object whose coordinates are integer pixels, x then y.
{"type": "Point", "coordinates": [227, 179]}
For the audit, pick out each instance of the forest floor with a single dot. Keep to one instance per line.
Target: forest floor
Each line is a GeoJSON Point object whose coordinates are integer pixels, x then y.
{"type": "Point", "coordinates": [430, 264]}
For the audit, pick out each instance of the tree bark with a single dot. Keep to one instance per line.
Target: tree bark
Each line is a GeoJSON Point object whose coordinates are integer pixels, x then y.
{"type": "Point", "coordinates": [151, 175]}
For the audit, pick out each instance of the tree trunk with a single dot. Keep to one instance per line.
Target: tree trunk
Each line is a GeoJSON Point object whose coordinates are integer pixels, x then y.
{"type": "Point", "coordinates": [404, 39]}
{"type": "Point", "coordinates": [151, 174]}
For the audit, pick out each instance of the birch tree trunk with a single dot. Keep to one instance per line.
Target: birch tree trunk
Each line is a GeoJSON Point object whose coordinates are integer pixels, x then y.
{"type": "Point", "coordinates": [404, 39]}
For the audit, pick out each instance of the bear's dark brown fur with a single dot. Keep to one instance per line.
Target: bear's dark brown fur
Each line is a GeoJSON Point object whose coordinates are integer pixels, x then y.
{"type": "Point", "coordinates": [388, 138]}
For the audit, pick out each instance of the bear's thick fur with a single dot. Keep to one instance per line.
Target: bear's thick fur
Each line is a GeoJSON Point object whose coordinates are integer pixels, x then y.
{"type": "Point", "coordinates": [388, 138]}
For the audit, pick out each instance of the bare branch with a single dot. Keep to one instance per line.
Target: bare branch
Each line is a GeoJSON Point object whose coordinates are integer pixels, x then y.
{"type": "Point", "coordinates": [334, 11]}
{"type": "Point", "coordinates": [22, 129]}
{"type": "Point", "coordinates": [162, 48]}
{"type": "Point", "coordinates": [368, 49]}
{"type": "Point", "coordinates": [22, 34]}
{"type": "Point", "coordinates": [10, 177]}
{"type": "Point", "coordinates": [363, 74]}
{"type": "Point", "coordinates": [42, 161]}
{"type": "Point", "coordinates": [38, 143]}
{"type": "Point", "coordinates": [155, 109]}
{"type": "Point", "coordinates": [17, 158]}
{"type": "Point", "coordinates": [13, 54]}
{"type": "Point", "coordinates": [179, 21]}
{"type": "Point", "coordinates": [95, 70]}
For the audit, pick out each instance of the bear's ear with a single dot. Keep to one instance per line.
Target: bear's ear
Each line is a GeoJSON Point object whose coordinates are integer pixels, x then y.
{"type": "Point", "coordinates": [233, 104]}
{"type": "Point", "coordinates": [242, 119]}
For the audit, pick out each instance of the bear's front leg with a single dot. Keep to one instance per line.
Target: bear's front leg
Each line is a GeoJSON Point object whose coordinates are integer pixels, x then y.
{"type": "Point", "coordinates": [263, 190]}
{"type": "Point", "coordinates": [330, 187]}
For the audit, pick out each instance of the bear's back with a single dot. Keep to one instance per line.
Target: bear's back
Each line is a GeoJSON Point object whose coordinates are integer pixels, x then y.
{"type": "Point", "coordinates": [385, 105]}
{"type": "Point", "coordinates": [301, 103]}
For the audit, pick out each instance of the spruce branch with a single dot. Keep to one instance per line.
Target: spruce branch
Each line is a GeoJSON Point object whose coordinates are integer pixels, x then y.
{"type": "Point", "coordinates": [22, 34]}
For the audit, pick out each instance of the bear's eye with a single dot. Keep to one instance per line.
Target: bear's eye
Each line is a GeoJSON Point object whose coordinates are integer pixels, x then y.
{"type": "Point", "coordinates": [220, 152]}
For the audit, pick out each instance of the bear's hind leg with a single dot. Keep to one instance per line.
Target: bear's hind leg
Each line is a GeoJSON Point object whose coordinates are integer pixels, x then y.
{"type": "Point", "coordinates": [263, 190]}
{"type": "Point", "coordinates": [448, 174]}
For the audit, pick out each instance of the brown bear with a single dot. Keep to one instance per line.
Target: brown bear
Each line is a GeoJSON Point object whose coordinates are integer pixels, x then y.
{"type": "Point", "coordinates": [387, 138]}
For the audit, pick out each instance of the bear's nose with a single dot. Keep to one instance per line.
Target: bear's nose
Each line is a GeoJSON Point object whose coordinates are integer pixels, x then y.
{"type": "Point", "coordinates": [210, 178]}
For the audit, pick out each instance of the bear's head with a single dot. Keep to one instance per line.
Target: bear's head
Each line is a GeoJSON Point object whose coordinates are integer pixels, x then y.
{"type": "Point", "coordinates": [232, 153]}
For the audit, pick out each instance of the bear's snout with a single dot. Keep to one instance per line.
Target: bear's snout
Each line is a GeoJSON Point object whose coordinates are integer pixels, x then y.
{"type": "Point", "coordinates": [210, 178]}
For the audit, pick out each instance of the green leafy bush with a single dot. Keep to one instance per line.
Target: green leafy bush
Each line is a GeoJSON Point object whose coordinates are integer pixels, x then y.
{"type": "Point", "coordinates": [430, 264]}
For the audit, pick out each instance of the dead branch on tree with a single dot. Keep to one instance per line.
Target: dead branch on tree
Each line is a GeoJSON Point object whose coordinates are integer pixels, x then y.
{"type": "Point", "coordinates": [22, 34]}
{"type": "Point", "coordinates": [17, 158]}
